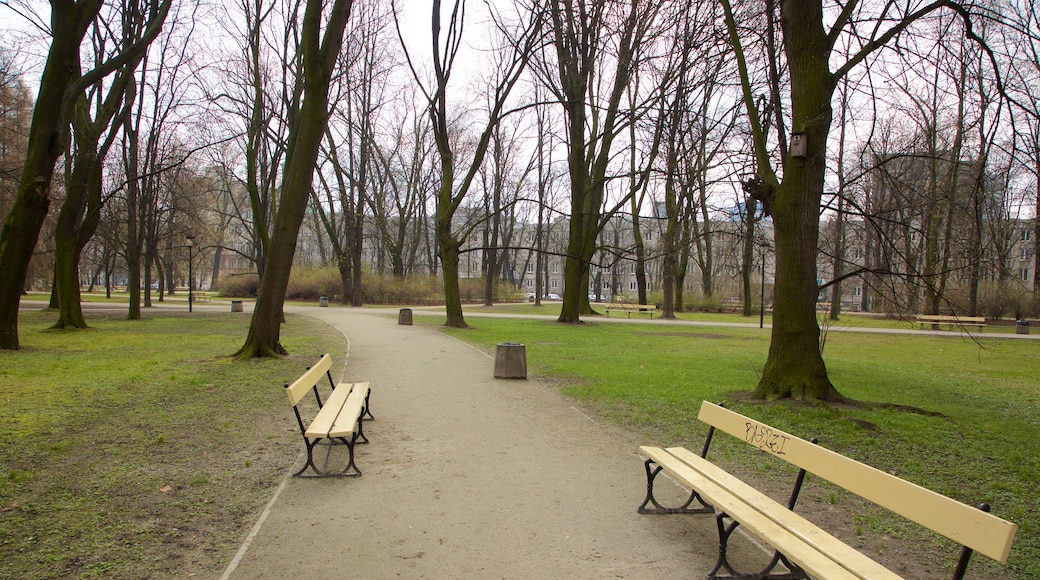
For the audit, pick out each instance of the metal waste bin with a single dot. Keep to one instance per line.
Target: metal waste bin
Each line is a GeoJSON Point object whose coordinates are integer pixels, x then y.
{"type": "Point", "coordinates": [236, 306]}
{"type": "Point", "coordinates": [1021, 327]}
{"type": "Point", "coordinates": [323, 301]}
{"type": "Point", "coordinates": [510, 361]}
{"type": "Point", "coordinates": [404, 317]}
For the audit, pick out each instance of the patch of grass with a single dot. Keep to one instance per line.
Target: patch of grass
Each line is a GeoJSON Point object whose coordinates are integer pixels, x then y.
{"type": "Point", "coordinates": [976, 441]}
{"type": "Point", "coordinates": [139, 448]}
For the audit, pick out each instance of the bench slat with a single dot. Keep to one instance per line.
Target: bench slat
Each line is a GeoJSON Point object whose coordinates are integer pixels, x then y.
{"type": "Point", "coordinates": [964, 524]}
{"type": "Point", "coordinates": [347, 420]}
{"type": "Point", "coordinates": [846, 555]}
{"type": "Point", "coordinates": [299, 388]}
{"type": "Point", "coordinates": [796, 549]}
{"type": "Point", "coordinates": [326, 417]}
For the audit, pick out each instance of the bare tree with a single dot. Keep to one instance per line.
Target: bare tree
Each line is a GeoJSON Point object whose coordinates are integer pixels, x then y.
{"type": "Point", "coordinates": [317, 53]}
{"type": "Point", "coordinates": [579, 33]}
{"type": "Point", "coordinates": [60, 84]}
{"type": "Point", "coordinates": [794, 366]}
{"type": "Point", "coordinates": [454, 184]}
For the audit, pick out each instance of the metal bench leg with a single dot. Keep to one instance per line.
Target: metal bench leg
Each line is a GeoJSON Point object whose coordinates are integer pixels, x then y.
{"type": "Point", "coordinates": [767, 573]}
{"type": "Point", "coordinates": [368, 408]}
{"type": "Point", "coordinates": [350, 463]}
{"type": "Point", "coordinates": [310, 458]}
{"type": "Point", "coordinates": [651, 476]}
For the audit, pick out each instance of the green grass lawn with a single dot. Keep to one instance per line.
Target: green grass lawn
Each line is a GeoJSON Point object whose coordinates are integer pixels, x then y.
{"type": "Point", "coordinates": [977, 441]}
{"type": "Point", "coordinates": [139, 448]}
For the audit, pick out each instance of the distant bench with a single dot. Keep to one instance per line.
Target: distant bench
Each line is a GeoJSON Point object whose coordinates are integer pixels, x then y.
{"type": "Point", "coordinates": [198, 297]}
{"type": "Point", "coordinates": [630, 308]}
{"type": "Point", "coordinates": [801, 547]}
{"type": "Point", "coordinates": [959, 321]}
{"type": "Point", "coordinates": [339, 419]}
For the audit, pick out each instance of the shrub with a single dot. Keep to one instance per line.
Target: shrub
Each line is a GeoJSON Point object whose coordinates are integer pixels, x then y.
{"type": "Point", "coordinates": [239, 285]}
{"type": "Point", "coordinates": [308, 283]}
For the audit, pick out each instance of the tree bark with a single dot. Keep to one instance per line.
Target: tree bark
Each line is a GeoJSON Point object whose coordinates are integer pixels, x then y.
{"type": "Point", "coordinates": [47, 136]}
{"type": "Point", "coordinates": [794, 367]}
{"type": "Point", "coordinates": [318, 60]}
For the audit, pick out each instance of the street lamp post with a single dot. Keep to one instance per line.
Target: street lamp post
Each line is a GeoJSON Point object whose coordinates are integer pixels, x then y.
{"type": "Point", "coordinates": [191, 246]}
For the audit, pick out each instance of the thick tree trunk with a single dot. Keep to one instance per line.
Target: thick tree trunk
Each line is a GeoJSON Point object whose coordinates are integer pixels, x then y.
{"type": "Point", "coordinates": [318, 60]}
{"type": "Point", "coordinates": [449, 254]}
{"type": "Point", "coordinates": [47, 136]}
{"type": "Point", "coordinates": [75, 226]}
{"type": "Point", "coordinates": [794, 366]}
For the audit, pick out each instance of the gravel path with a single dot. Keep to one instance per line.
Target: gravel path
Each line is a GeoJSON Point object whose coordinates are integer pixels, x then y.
{"type": "Point", "coordinates": [468, 476]}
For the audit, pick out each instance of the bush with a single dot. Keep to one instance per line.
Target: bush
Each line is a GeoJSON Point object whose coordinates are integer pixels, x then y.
{"type": "Point", "coordinates": [706, 304]}
{"type": "Point", "coordinates": [309, 283]}
{"type": "Point", "coordinates": [385, 289]}
{"type": "Point", "coordinates": [238, 285]}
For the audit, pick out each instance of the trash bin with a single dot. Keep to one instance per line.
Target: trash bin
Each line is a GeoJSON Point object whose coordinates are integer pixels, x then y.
{"type": "Point", "coordinates": [510, 361]}
{"type": "Point", "coordinates": [1021, 327]}
{"type": "Point", "coordinates": [323, 301]}
{"type": "Point", "coordinates": [236, 306]}
{"type": "Point", "coordinates": [404, 317]}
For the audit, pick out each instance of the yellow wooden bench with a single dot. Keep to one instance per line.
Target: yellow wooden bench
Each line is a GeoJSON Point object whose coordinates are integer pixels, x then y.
{"type": "Point", "coordinates": [937, 320]}
{"type": "Point", "coordinates": [802, 549]}
{"type": "Point", "coordinates": [339, 419]}
{"type": "Point", "coordinates": [630, 308]}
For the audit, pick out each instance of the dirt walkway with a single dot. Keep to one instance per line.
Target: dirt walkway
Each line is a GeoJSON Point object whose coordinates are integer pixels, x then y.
{"type": "Point", "coordinates": [468, 476]}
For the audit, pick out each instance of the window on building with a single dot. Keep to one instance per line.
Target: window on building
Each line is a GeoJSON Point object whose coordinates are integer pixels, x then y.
{"type": "Point", "coordinates": [1026, 235]}
{"type": "Point", "coordinates": [1024, 274]}
{"type": "Point", "coordinates": [554, 284]}
{"type": "Point", "coordinates": [530, 268]}
{"type": "Point", "coordinates": [555, 267]}
{"type": "Point", "coordinates": [649, 236]}
{"type": "Point", "coordinates": [1024, 255]}
{"type": "Point", "coordinates": [631, 285]}
{"type": "Point", "coordinates": [530, 283]}
{"type": "Point", "coordinates": [857, 291]}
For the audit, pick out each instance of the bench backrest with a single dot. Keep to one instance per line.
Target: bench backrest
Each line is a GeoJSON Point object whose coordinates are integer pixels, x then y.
{"type": "Point", "coordinates": [966, 525]}
{"type": "Point", "coordinates": [301, 386]}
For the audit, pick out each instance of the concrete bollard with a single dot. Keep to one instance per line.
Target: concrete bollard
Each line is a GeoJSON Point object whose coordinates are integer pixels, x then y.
{"type": "Point", "coordinates": [404, 317]}
{"type": "Point", "coordinates": [510, 361]}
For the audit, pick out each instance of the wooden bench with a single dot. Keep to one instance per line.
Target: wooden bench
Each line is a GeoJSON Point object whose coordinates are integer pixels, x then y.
{"type": "Point", "coordinates": [801, 547]}
{"type": "Point", "coordinates": [630, 308]}
{"type": "Point", "coordinates": [200, 297]}
{"type": "Point", "coordinates": [935, 320]}
{"type": "Point", "coordinates": [339, 419]}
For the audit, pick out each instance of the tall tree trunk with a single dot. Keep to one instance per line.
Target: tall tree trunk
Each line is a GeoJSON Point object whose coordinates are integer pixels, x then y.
{"type": "Point", "coordinates": [47, 137]}
{"type": "Point", "coordinates": [794, 366]}
{"type": "Point", "coordinates": [748, 254]}
{"type": "Point", "coordinates": [318, 60]}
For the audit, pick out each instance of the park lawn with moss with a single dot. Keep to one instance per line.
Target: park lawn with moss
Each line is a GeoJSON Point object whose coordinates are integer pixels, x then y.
{"type": "Point", "coordinates": [140, 448]}
{"type": "Point", "coordinates": [953, 415]}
